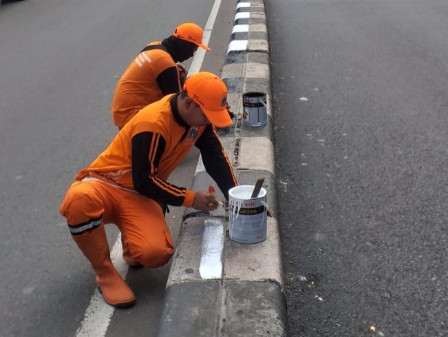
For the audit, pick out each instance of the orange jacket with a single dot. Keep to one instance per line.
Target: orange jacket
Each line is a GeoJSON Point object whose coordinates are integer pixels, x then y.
{"type": "Point", "coordinates": [149, 147]}
{"type": "Point", "coordinates": [150, 76]}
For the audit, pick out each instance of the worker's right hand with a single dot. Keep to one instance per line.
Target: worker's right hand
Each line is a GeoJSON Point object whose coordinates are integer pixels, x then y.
{"type": "Point", "coordinates": [203, 201]}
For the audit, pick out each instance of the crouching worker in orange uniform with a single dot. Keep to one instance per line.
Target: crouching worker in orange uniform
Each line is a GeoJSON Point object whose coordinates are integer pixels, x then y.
{"type": "Point", "coordinates": [127, 183]}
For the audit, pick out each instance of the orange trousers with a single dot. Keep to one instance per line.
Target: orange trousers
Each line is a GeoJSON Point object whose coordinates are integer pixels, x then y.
{"type": "Point", "coordinates": [140, 219]}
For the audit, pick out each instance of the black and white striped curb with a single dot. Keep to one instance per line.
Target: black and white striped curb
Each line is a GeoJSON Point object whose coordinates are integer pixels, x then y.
{"type": "Point", "coordinates": [218, 287]}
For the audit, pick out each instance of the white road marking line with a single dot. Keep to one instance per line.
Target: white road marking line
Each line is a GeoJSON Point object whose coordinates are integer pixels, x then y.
{"type": "Point", "coordinates": [200, 53]}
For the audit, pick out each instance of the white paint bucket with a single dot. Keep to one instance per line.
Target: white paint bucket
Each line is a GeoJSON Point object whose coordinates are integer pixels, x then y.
{"type": "Point", "coordinates": [254, 109]}
{"type": "Point", "coordinates": [247, 217]}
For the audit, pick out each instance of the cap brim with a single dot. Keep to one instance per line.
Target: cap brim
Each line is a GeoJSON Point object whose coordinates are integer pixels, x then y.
{"type": "Point", "coordinates": [220, 119]}
{"type": "Point", "coordinates": [203, 46]}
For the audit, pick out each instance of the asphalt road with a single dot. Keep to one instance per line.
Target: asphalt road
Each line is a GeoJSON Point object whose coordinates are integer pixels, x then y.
{"type": "Point", "coordinates": [59, 63]}
{"type": "Point", "coordinates": [360, 110]}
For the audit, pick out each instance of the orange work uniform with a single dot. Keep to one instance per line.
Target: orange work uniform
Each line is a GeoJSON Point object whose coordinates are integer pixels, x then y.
{"type": "Point", "coordinates": [125, 184]}
{"type": "Point", "coordinates": [150, 76]}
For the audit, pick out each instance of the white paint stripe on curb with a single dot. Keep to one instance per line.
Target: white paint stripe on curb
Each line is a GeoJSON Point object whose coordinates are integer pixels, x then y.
{"type": "Point", "coordinates": [240, 29]}
{"type": "Point", "coordinates": [242, 15]}
{"type": "Point", "coordinates": [210, 266]}
{"type": "Point", "coordinates": [237, 45]}
{"type": "Point", "coordinates": [243, 5]}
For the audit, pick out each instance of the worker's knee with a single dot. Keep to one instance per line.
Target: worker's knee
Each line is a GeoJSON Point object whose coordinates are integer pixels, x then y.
{"type": "Point", "coordinates": [152, 256]}
{"type": "Point", "coordinates": [81, 205]}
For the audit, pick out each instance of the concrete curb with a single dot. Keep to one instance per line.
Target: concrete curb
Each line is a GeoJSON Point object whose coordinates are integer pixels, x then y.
{"type": "Point", "coordinates": [218, 287]}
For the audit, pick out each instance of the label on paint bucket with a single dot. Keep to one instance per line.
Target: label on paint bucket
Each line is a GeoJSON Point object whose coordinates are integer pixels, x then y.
{"type": "Point", "coordinates": [247, 217]}
{"type": "Point", "coordinates": [254, 109]}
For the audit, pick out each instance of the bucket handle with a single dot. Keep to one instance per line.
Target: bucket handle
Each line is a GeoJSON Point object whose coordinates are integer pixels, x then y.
{"type": "Point", "coordinates": [262, 101]}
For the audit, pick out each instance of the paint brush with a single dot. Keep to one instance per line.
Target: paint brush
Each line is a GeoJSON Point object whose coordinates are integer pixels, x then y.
{"type": "Point", "coordinates": [220, 210]}
{"type": "Point", "coordinates": [212, 193]}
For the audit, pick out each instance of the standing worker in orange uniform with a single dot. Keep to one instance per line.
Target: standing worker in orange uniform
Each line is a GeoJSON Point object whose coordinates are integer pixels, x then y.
{"type": "Point", "coordinates": [155, 72]}
{"type": "Point", "coordinates": [127, 183]}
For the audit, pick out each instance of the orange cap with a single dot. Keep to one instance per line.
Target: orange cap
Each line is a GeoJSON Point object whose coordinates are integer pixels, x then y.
{"type": "Point", "coordinates": [210, 93]}
{"type": "Point", "coordinates": [190, 32]}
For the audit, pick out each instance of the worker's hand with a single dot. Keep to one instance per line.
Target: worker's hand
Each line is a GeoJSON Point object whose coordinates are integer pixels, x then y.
{"type": "Point", "coordinates": [183, 72]}
{"type": "Point", "coordinates": [203, 201]}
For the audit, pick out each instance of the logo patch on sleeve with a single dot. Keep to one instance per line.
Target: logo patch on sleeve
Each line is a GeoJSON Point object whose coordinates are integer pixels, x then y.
{"type": "Point", "coordinates": [193, 133]}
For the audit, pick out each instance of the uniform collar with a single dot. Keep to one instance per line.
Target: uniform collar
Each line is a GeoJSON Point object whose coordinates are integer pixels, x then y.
{"type": "Point", "coordinates": [175, 111]}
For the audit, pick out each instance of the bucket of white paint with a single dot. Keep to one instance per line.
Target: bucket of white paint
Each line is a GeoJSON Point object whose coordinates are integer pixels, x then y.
{"type": "Point", "coordinates": [247, 216]}
{"type": "Point", "coordinates": [254, 109]}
